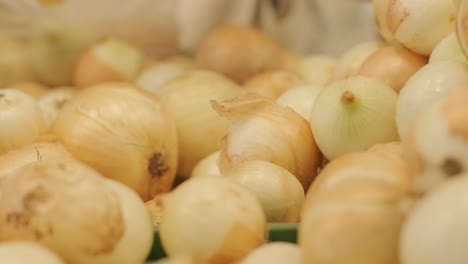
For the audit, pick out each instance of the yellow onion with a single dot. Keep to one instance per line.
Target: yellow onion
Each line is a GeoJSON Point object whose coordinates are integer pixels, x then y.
{"type": "Point", "coordinates": [394, 65]}
{"type": "Point", "coordinates": [239, 52]}
{"type": "Point", "coordinates": [21, 119]}
{"type": "Point", "coordinates": [316, 69]}
{"type": "Point", "coordinates": [199, 128]}
{"type": "Point", "coordinates": [53, 101]}
{"type": "Point", "coordinates": [435, 231]}
{"type": "Point", "coordinates": [212, 220]}
{"type": "Point", "coordinates": [437, 146]}
{"type": "Point", "coordinates": [264, 130]}
{"type": "Point", "coordinates": [301, 98]}
{"type": "Point", "coordinates": [122, 132]}
{"type": "Point", "coordinates": [34, 89]}
{"type": "Point", "coordinates": [31, 153]}
{"type": "Point", "coordinates": [272, 84]}
{"type": "Point", "coordinates": [354, 211]}
{"type": "Point", "coordinates": [380, 13]}
{"type": "Point", "coordinates": [157, 74]}
{"type": "Point", "coordinates": [207, 166]}
{"type": "Point", "coordinates": [25, 252]}
{"type": "Point", "coordinates": [279, 192]}
{"type": "Point", "coordinates": [274, 253]}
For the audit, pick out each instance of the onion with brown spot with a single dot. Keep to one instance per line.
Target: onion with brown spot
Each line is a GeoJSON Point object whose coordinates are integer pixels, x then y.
{"type": "Point", "coordinates": [122, 132]}
{"type": "Point", "coordinates": [213, 220]}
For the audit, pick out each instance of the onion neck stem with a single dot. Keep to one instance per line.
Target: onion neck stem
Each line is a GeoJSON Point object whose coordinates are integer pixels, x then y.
{"type": "Point", "coordinates": [347, 98]}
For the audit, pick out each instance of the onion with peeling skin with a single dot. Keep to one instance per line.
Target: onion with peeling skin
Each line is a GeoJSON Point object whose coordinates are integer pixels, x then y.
{"type": "Point", "coordinates": [279, 192]}
{"type": "Point", "coordinates": [31, 153]}
{"type": "Point", "coordinates": [272, 84]}
{"type": "Point", "coordinates": [21, 119]}
{"type": "Point", "coordinates": [239, 52]}
{"type": "Point", "coordinates": [53, 101]}
{"type": "Point", "coordinates": [394, 65]}
{"type": "Point", "coordinates": [36, 206]}
{"type": "Point", "coordinates": [213, 220]}
{"type": "Point", "coordinates": [274, 253]}
{"type": "Point", "coordinates": [207, 166]}
{"type": "Point", "coordinates": [430, 82]}
{"type": "Point", "coordinates": [107, 60]}
{"type": "Point", "coordinates": [437, 145]}
{"type": "Point", "coordinates": [354, 211]}
{"type": "Point", "coordinates": [316, 69]}
{"type": "Point", "coordinates": [25, 252]}
{"type": "Point", "coordinates": [199, 128]}
{"type": "Point", "coordinates": [34, 89]}
{"type": "Point", "coordinates": [122, 132]}
{"type": "Point", "coordinates": [263, 130]}
{"type": "Point", "coordinates": [353, 115]}
{"type": "Point", "coordinates": [420, 25]}
{"type": "Point", "coordinates": [448, 49]}
{"type": "Point", "coordinates": [301, 98]}
{"type": "Point", "coordinates": [350, 61]}
{"type": "Point", "coordinates": [435, 231]}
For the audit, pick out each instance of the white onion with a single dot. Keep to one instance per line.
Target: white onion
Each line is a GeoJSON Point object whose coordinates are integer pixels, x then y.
{"type": "Point", "coordinates": [158, 74]}
{"type": "Point", "coordinates": [353, 115]}
{"type": "Point", "coordinates": [275, 253]}
{"type": "Point", "coordinates": [211, 219]}
{"type": "Point", "coordinates": [436, 231]}
{"type": "Point", "coordinates": [279, 192]}
{"type": "Point", "coordinates": [426, 85]}
{"type": "Point", "coordinates": [21, 119]}
{"type": "Point", "coordinates": [25, 252]}
{"type": "Point", "coordinates": [208, 166]}
{"type": "Point", "coordinates": [316, 69]}
{"type": "Point", "coordinates": [448, 49]}
{"type": "Point", "coordinates": [301, 98]}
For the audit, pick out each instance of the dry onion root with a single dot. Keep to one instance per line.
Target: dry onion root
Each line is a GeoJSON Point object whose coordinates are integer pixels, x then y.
{"type": "Point", "coordinates": [264, 130]}
{"type": "Point", "coordinates": [21, 119]}
{"type": "Point", "coordinates": [31, 153]}
{"type": "Point", "coordinates": [437, 146]}
{"type": "Point", "coordinates": [122, 132]}
{"type": "Point", "coordinates": [435, 231]}
{"type": "Point", "coordinates": [394, 65]}
{"type": "Point", "coordinates": [207, 166]}
{"type": "Point", "coordinates": [279, 192]}
{"type": "Point", "coordinates": [239, 52]}
{"type": "Point", "coordinates": [41, 201]}
{"type": "Point", "coordinates": [274, 253]}
{"type": "Point", "coordinates": [199, 128]}
{"type": "Point", "coordinates": [430, 82]}
{"type": "Point", "coordinates": [354, 210]}
{"type": "Point", "coordinates": [25, 252]}
{"type": "Point", "coordinates": [272, 84]}
{"type": "Point", "coordinates": [353, 115]}
{"type": "Point", "coordinates": [419, 25]}
{"type": "Point", "coordinates": [211, 219]}
{"type": "Point", "coordinates": [107, 60]}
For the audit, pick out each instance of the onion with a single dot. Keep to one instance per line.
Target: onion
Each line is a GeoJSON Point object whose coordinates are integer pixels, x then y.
{"type": "Point", "coordinates": [15, 62]}
{"type": "Point", "coordinates": [274, 253]}
{"type": "Point", "coordinates": [272, 84]}
{"type": "Point", "coordinates": [279, 192]}
{"type": "Point", "coordinates": [52, 102]}
{"type": "Point", "coordinates": [34, 89]}
{"type": "Point", "coordinates": [207, 166]}
{"type": "Point", "coordinates": [420, 25]}
{"type": "Point", "coordinates": [461, 26]}
{"type": "Point", "coordinates": [175, 260]}
{"type": "Point", "coordinates": [437, 146]}
{"type": "Point", "coordinates": [21, 119]}
{"type": "Point", "coordinates": [155, 208]}
{"type": "Point", "coordinates": [300, 99]}
{"type": "Point", "coordinates": [350, 61]}
{"type": "Point", "coordinates": [457, 3]}
{"type": "Point", "coordinates": [394, 65]}
{"type": "Point", "coordinates": [435, 232]}
{"type": "Point", "coordinates": [426, 85]}
{"type": "Point", "coordinates": [316, 69]}
{"type": "Point", "coordinates": [391, 150]}
{"type": "Point", "coordinates": [448, 49]}
{"type": "Point", "coordinates": [158, 74]}
{"type": "Point", "coordinates": [122, 132]}
{"type": "Point", "coordinates": [381, 13]}
{"type": "Point", "coordinates": [108, 60]}
{"type": "Point", "coordinates": [195, 119]}
{"type": "Point", "coordinates": [354, 211]}
{"type": "Point", "coordinates": [31, 153]}
{"type": "Point", "coordinates": [264, 130]}
{"type": "Point", "coordinates": [211, 219]}
{"type": "Point", "coordinates": [353, 115]}
{"type": "Point", "coordinates": [239, 52]}
{"type": "Point", "coordinates": [40, 203]}
{"type": "Point", "coordinates": [25, 252]}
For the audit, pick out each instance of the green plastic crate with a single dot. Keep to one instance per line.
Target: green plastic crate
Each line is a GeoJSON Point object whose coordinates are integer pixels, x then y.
{"type": "Point", "coordinates": [277, 232]}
